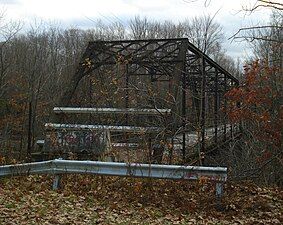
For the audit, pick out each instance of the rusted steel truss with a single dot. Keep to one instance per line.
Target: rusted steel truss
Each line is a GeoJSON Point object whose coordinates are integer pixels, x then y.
{"type": "Point", "coordinates": [189, 72]}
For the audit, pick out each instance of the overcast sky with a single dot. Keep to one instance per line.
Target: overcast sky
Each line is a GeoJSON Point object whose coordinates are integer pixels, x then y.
{"type": "Point", "coordinates": [80, 13]}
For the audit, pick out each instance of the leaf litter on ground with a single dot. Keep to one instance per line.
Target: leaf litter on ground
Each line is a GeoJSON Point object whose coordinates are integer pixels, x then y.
{"type": "Point", "coordinates": [86, 199]}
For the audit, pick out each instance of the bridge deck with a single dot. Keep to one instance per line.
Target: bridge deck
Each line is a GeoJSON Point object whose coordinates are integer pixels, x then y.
{"type": "Point", "coordinates": [194, 137]}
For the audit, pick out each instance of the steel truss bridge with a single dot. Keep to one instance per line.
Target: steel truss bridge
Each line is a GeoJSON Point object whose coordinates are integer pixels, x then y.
{"type": "Point", "coordinates": [167, 74]}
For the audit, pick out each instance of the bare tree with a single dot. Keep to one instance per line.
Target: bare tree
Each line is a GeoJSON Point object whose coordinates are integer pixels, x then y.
{"type": "Point", "coordinates": [8, 30]}
{"type": "Point", "coordinates": [204, 33]}
{"type": "Point", "coordinates": [139, 28]}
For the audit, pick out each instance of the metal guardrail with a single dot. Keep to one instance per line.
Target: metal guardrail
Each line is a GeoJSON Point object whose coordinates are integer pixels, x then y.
{"type": "Point", "coordinates": [133, 111]}
{"type": "Point", "coordinates": [59, 166]}
{"type": "Point", "coordinates": [41, 143]}
{"type": "Point", "coordinates": [131, 129]}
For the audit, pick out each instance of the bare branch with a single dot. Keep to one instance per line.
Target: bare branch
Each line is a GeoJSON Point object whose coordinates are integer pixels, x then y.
{"type": "Point", "coordinates": [267, 6]}
{"type": "Point", "coordinates": [255, 28]}
{"type": "Point", "coordinates": [251, 39]}
{"type": "Point", "coordinates": [206, 2]}
{"type": "Point", "coordinates": [264, 4]}
{"type": "Point", "coordinates": [271, 2]}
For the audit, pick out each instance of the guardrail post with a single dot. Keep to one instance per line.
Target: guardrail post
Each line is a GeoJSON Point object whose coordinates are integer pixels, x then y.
{"type": "Point", "coordinates": [56, 182]}
{"type": "Point", "coordinates": [57, 179]}
{"type": "Point", "coordinates": [219, 194]}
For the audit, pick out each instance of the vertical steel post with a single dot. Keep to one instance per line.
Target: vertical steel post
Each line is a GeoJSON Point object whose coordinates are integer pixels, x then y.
{"type": "Point", "coordinates": [225, 107]}
{"type": "Point", "coordinates": [218, 193]}
{"type": "Point", "coordinates": [203, 99]}
{"type": "Point", "coordinates": [179, 76]}
{"type": "Point", "coordinates": [29, 144]}
{"type": "Point", "coordinates": [184, 113]}
{"type": "Point", "coordinates": [216, 107]}
{"type": "Point", "coordinates": [56, 182]}
{"type": "Point", "coordinates": [231, 125]}
{"type": "Point", "coordinates": [127, 93]}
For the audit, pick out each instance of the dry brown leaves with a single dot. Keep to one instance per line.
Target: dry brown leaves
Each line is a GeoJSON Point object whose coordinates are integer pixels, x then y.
{"type": "Point", "coordinates": [113, 200]}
